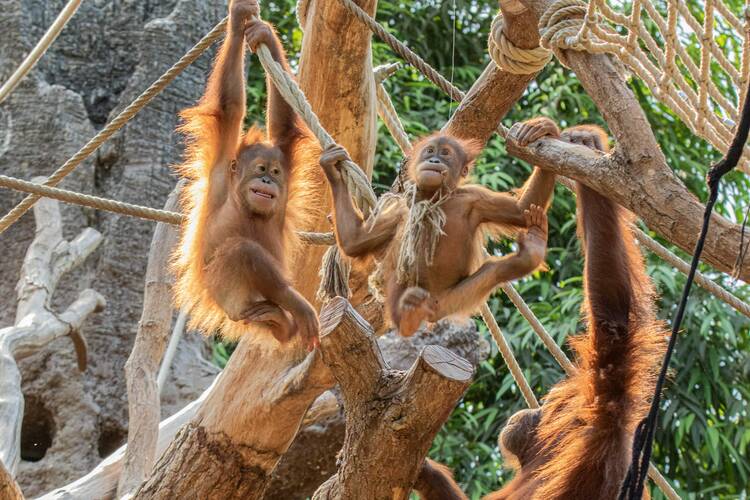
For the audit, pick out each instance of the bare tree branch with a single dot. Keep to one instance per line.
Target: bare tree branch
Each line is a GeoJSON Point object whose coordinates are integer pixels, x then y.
{"type": "Point", "coordinates": [36, 325]}
{"type": "Point", "coordinates": [142, 366]}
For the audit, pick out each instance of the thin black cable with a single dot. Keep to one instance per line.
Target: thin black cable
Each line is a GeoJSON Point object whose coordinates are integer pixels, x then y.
{"type": "Point", "coordinates": [643, 440]}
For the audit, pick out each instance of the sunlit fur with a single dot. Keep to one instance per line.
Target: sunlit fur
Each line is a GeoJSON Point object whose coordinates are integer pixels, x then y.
{"type": "Point", "coordinates": [583, 441]}
{"type": "Point", "coordinates": [201, 130]}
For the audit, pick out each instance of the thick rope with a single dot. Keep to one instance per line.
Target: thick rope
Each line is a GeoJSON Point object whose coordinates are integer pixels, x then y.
{"type": "Point", "coordinates": [547, 339]}
{"type": "Point", "coordinates": [700, 279]}
{"type": "Point", "coordinates": [39, 49]}
{"type": "Point", "coordinates": [632, 486]}
{"type": "Point", "coordinates": [355, 179]}
{"type": "Point", "coordinates": [119, 207]}
{"type": "Point", "coordinates": [409, 55]}
{"type": "Point", "coordinates": [668, 256]}
{"type": "Point", "coordinates": [87, 200]}
{"type": "Point", "coordinates": [124, 117]}
{"type": "Point", "coordinates": [511, 58]}
{"type": "Point", "coordinates": [510, 360]}
{"type": "Point", "coordinates": [591, 26]}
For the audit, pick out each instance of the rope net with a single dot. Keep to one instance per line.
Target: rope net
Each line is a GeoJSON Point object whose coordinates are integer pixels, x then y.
{"type": "Point", "coordinates": [652, 38]}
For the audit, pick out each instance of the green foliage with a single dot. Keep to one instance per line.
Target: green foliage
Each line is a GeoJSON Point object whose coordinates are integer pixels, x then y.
{"type": "Point", "coordinates": [702, 441]}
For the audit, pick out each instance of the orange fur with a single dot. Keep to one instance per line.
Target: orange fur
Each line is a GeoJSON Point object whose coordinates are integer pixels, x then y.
{"type": "Point", "coordinates": [581, 446]}
{"type": "Point", "coordinates": [302, 208]}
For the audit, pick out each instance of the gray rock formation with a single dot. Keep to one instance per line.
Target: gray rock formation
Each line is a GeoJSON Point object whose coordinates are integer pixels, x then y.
{"type": "Point", "coordinates": [103, 59]}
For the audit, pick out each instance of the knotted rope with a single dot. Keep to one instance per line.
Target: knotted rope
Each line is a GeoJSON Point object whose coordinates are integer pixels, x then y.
{"type": "Point", "coordinates": [512, 58]}
{"type": "Point", "coordinates": [661, 60]}
{"type": "Point", "coordinates": [335, 274]}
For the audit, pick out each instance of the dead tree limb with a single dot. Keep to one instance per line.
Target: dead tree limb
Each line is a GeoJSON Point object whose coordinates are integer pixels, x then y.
{"type": "Point", "coordinates": [391, 416]}
{"type": "Point", "coordinates": [48, 258]}
{"type": "Point", "coordinates": [496, 91]}
{"type": "Point", "coordinates": [142, 367]}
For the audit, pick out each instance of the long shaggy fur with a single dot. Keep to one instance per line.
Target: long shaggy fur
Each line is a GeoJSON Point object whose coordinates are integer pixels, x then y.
{"type": "Point", "coordinates": [201, 129]}
{"type": "Point", "coordinates": [582, 445]}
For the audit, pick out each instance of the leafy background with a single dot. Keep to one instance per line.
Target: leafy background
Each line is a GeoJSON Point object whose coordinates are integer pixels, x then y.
{"type": "Point", "coordinates": [702, 440]}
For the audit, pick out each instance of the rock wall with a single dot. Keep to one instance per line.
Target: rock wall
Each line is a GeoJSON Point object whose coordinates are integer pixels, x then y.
{"type": "Point", "coordinates": [104, 58]}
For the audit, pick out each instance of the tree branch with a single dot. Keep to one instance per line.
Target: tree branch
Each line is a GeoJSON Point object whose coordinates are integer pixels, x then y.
{"type": "Point", "coordinates": [36, 324]}
{"type": "Point", "coordinates": [142, 366]}
{"type": "Point", "coordinates": [496, 91]}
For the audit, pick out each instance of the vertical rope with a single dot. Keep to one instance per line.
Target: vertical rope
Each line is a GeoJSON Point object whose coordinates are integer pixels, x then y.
{"type": "Point", "coordinates": [707, 41]}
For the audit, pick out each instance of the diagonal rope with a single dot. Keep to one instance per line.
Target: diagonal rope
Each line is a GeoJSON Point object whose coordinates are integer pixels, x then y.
{"type": "Point", "coordinates": [516, 298]}
{"type": "Point", "coordinates": [39, 49]}
{"type": "Point", "coordinates": [653, 245]}
{"type": "Point", "coordinates": [671, 258]}
{"type": "Point", "coordinates": [356, 180]}
{"type": "Point", "coordinates": [118, 122]}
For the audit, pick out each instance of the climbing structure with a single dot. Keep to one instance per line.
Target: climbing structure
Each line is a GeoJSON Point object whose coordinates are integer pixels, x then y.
{"type": "Point", "coordinates": [649, 40]}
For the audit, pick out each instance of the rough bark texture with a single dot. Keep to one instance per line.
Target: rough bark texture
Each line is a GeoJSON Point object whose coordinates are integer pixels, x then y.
{"type": "Point", "coordinates": [142, 367]}
{"type": "Point", "coordinates": [312, 457]}
{"type": "Point", "coordinates": [647, 188]}
{"type": "Point", "coordinates": [265, 420]}
{"type": "Point", "coordinates": [391, 416]}
{"type": "Point", "coordinates": [346, 104]}
{"type": "Point", "coordinates": [9, 489]}
{"type": "Point", "coordinates": [238, 413]}
{"type": "Point", "coordinates": [108, 53]}
{"type": "Point", "coordinates": [496, 91]}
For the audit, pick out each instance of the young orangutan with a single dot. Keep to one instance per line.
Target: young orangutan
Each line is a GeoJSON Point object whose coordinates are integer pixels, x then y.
{"type": "Point", "coordinates": [246, 196]}
{"type": "Point", "coordinates": [577, 445]}
{"type": "Point", "coordinates": [429, 241]}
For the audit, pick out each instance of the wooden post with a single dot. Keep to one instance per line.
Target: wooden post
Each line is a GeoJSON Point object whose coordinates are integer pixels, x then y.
{"type": "Point", "coordinates": [391, 416]}
{"type": "Point", "coordinates": [144, 402]}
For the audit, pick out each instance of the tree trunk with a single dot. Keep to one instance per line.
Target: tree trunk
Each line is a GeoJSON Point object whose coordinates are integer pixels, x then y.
{"type": "Point", "coordinates": [142, 367]}
{"type": "Point", "coordinates": [255, 411]}
{"type": "Point", "coordinates": [496, 91]}
{"type": "Point", "coordinates": [391, 416]}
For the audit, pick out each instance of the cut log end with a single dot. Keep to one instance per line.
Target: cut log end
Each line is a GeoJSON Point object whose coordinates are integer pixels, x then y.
{"type": "Point", "coordinates": [446, 363]}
